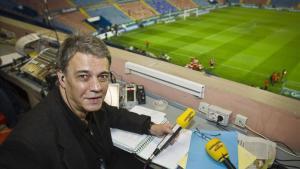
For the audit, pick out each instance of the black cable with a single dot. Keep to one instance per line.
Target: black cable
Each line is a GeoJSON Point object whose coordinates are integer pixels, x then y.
{"type": "Point", "coordinates": [284, 165]}
{"type": "Point", "coordinates": [46, 12]}
{"type": "Point", "coordinates": [286, 159]}
{"type": "Point", "coordinates": [286, 146]}
{"type": "Point", "coordinates": [116, 75]}
{"type": "Point", "coordinates": [220, 118]}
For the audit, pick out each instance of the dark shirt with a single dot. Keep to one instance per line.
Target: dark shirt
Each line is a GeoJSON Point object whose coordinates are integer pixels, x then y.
{"type": "Point", "coordinates": [89, 138]}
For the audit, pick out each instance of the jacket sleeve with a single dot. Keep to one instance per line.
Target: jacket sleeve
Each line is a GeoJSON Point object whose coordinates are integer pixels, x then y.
{"type": "Point", "coordinates": [15, 154]}
{"type": "Point", "coordinates": [123, 119]}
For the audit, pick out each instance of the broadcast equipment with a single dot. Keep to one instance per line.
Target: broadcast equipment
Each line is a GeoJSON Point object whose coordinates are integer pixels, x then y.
{"type": "Point", "coordinates": [218, 151]}
{"type": "Point", "coordinates": [41, 66]}
{"type": "Point", "coordinates": [130, 96]}
{"type": "Point", "coordinates": [140, 94]}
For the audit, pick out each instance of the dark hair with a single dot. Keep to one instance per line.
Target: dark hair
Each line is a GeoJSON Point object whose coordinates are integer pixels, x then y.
{"type": "Point", "coordinates": [82, 43]}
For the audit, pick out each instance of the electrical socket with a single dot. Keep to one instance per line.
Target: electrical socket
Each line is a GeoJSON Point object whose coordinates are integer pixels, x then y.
{"type": "Point", "coordinates": [215, 111]}
{"type": "Point", "coordinates": [203, 107]}
{"type": "Point", "coordinates": [240, 120]}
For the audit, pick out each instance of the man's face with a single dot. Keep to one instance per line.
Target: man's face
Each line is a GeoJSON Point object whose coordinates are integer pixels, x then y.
{"type": "Point", "coordinates": [86, 82]}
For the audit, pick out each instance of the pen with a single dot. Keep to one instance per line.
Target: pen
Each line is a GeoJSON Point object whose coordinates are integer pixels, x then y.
{"type": "Point", "coordinates": [182, 121]}
{"type": "Point", "coordinates": [165, 142]}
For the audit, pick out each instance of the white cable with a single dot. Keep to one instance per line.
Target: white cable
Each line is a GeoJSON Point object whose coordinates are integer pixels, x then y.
{"type": "Point", "coordinates": [280, 148]}
{"type": "Point", "coordinates": [249, 128]}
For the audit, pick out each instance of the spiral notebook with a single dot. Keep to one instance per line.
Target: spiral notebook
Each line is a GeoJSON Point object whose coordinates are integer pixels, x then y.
{"type": "Point", "coordinates": [144, 145]}
{"type": "Point", "coordinates": [133, 142]}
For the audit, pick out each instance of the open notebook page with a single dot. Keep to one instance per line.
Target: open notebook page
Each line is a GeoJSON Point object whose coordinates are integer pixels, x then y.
{"type": "Point", "coordinates": [169, 157]}
{"type": "Point", "coordinates": [131, 142]}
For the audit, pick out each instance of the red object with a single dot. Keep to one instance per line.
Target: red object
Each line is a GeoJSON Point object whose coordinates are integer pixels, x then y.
{"type": "Point", "coordinates": [3, 134]}
{"type": "Point", "coordinates": [2, 119]}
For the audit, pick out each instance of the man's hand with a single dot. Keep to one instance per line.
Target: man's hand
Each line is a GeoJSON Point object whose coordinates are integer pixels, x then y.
{"type": "Point", "coordinates": [161, 129]}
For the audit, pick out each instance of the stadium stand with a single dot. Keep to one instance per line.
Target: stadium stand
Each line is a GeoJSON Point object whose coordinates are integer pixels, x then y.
{"type": "Point", "coordinates": [256, 2]}
{"type": "Point", "coordinates": [74, 21]}
{"type": "Point", "coordinates": [184, 4]}
{"type": "Point", "coordinates": [234, 1]}
{"type": "Point", "coordinates": [137, 10]}
{"type": "Point", "coordinates": [285, 3]}
{"type": "Point", "coordinates": [161, 6]}
{"type": "Point", "coordinates": [39, 6]}
{"type": "Point", "coordinates": [82, 3]}
{"type": "Point", "coordinates": [34, 12]}
{"type": "Point", "coordinates": [18, 8]}
{"type": "Point", "coordinates": [124, 1]}
{"type": "Point", "coordinates": [110, 13]}
{"type": "Point", "coordinates": [8, 5]}
{"type": "Point", "coordinates": [222, 1]}
{"type": "Point", "coordinates": [20, 12]}
{"type": "Point", "coordinates": [202, 3]}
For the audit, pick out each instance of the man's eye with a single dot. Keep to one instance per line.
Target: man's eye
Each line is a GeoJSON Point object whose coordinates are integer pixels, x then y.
{"type": "Point", "coordinates": [103, 77]}
{"type": "Point", "coordinates": [83, 77]}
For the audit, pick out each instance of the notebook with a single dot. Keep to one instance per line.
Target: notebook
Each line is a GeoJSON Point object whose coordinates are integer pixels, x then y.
{"type": "Point", "coordinates": [144, 145]}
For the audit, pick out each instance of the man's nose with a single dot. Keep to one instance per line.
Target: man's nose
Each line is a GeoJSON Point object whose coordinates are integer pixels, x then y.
{"type": "Point", "coordinates": [95, 85]}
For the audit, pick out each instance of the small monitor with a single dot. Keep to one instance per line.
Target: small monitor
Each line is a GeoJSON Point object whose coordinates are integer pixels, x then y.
{"type": "Point", "coordinates": [130, 96]}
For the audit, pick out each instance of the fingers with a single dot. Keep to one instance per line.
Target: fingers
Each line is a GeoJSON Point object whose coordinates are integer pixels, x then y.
{"type": "Point", "coordinates": [168, 128]}
{"type": "Point", "coordinates": [161, 129]}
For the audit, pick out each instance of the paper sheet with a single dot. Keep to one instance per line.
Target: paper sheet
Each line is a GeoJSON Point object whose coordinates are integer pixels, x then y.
{"type": "Point", "coordinates": [173, 153]}
{"type": "Point", "coordinates": [8, 59]}
{"type": "Point", "coordinates": [156, 116]}
{"type": "Point", "coordinates": [198, 157]}
{"type": "Point", "coordinates": [245, 158]}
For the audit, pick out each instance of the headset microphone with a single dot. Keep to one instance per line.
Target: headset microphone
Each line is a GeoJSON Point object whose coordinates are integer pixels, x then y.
{"type": "Point", "coordinates": [218, 151]}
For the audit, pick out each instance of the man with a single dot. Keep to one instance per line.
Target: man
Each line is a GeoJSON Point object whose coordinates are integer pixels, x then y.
{"type": "Point", "coordinates": [70, 128]}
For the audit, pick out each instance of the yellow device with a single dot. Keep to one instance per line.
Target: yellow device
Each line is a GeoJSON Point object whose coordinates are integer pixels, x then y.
{"type": "Point", "coordinates": [186, 117]}
{"type": "Point", "coordinates": [218, 151]}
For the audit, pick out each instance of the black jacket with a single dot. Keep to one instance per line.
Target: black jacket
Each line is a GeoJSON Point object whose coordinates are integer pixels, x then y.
{"type": "Point", "coordinates": [44, 140]}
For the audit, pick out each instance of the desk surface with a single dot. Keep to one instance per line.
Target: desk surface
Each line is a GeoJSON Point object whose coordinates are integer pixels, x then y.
{"type": "Point", "coordinates": [173, 110]}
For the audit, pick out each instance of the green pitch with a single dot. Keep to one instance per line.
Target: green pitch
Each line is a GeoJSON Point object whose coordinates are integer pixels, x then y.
{"type": "Point", "coordinates": [248, 45]}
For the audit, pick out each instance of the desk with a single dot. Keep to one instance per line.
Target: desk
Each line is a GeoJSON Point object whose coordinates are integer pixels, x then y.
{"type": "Point", "coordinates": [173, 110]}
{"type": "Point", "coordinates": [32, 88]}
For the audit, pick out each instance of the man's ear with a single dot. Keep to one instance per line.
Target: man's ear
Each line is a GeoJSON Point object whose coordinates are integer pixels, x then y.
{"type": "Point", "coordinates": [61, 78]}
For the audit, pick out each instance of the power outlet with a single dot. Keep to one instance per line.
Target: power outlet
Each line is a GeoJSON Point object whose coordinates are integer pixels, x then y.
{"type": "Point", "coordinates": [240, 120]}
{"type": "Point", "coordinates": [215, 112]}
{"type": "Point", "coordinates": [203, 107]}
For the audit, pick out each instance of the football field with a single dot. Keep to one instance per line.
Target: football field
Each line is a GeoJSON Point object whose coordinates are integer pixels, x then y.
{"type": "Point", "coordinates": [248, 45]}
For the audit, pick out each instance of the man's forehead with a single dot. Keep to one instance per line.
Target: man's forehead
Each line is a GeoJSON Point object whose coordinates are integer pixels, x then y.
{"type": "Point", "coordinates": [88, 62]}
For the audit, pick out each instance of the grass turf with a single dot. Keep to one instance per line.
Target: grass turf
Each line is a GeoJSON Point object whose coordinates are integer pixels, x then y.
{"type": "Point", "coordinates": [248, 45]}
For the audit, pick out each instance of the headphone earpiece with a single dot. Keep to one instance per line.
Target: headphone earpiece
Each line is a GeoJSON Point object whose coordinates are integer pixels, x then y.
{"type": "Point", "coordinates": [112, 78]}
